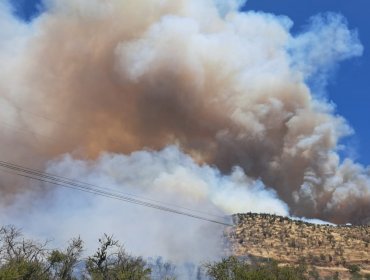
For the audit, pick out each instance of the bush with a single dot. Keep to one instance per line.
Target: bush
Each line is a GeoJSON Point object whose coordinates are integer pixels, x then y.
{"type": "Point", "coordinates": [353, 268]}
{"type": "Point", "coordinates": [233, 268]}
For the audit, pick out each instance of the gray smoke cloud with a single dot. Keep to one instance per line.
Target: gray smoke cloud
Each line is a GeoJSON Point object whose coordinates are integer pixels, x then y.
{"type": "Point", "coordinates": [186, 101]}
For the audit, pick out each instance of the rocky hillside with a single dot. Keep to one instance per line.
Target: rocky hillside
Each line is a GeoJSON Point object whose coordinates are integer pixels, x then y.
{"type": "Point", "coordinates": [326, 247]}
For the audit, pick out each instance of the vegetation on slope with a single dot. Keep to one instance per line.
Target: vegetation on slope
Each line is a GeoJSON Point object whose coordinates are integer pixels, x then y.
{"type": "Point", "coordinates": [342, 248]}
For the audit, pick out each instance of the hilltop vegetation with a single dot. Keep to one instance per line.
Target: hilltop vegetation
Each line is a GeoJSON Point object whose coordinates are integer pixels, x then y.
{"type": "Point", "coordinates": [326, 247]}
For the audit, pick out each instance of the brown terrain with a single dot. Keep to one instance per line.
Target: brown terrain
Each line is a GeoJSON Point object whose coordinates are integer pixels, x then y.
{"type": "Point", "coordinates": [328, 249]}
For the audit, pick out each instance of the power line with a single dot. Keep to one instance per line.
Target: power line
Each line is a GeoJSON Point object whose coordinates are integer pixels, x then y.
{"type": "Point", "coordinates": [41, 176]}
{"type": "Point", "coordinates": [37, 173]}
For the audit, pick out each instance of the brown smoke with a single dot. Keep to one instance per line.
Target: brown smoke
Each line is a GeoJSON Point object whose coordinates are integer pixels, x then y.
{"type": "Point", "coordinates": [122, 76]}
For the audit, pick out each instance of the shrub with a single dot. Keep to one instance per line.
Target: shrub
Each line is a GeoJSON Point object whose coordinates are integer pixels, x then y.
{"type": "Point", "coordinates": [233, 268]}
{"type": "Point", "coordinates": [353, 268]}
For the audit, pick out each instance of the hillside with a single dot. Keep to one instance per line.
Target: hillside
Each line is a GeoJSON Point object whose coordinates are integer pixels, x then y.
{"type": "Point", "coordinates": [327, 247]}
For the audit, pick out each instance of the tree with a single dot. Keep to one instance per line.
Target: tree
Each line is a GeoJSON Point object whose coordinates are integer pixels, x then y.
{"type": "Point", "coordinates": [112, 262]}
{"type": "Point", "coordinates": [63, 263]}
{"type": "Point", "coordinates": [20, 258]}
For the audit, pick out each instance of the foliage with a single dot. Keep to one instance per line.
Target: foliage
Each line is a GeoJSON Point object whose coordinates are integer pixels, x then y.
{"type": "Point", "coordinates": [23, 269]}
{"type": "Point", "coordinates": [62, 264]}
{"type": "Point", "coordinates": [233, 268]}
{"type": "Point", "coordinates": [20, 258]}
{"type": "Point", "coordinates": [29, 260]}
{"type": "Point", "coordinates": [353, 268]}
{"type": "Point", "coordinates": [111, 262]}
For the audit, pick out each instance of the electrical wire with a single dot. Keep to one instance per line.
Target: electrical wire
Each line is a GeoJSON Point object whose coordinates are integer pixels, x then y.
{"type": "Point", "coordinates": [37, 172]}
{"type": "Point", "coordinates": [41, 176]}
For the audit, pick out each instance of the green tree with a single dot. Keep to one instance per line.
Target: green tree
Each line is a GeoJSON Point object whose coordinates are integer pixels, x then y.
{"type": "Point", "coordinates": [20, 258]}
{"type": "Point", "coordinates": [112, 262]}
{"type": "Point", "coordinates": [63, 263]}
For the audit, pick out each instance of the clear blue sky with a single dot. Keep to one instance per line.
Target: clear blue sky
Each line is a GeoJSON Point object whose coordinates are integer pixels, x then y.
{"type": "Point", "coordinates": [349, 88]}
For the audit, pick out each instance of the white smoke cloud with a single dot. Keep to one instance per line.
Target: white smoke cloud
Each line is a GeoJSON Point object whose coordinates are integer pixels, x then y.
{"type": "Point", "coordinates": [167, 176]}
{"type": "Point", "coordinates": [327, 41]}
{"type": "Point", "coordinates": [227, 6]}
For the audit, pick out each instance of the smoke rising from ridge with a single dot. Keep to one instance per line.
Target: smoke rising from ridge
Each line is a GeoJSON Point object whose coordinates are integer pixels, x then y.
{"type": "Point", "coordinates": [91, 77]}
{"type": "Point", "coordinates": [167, 175]}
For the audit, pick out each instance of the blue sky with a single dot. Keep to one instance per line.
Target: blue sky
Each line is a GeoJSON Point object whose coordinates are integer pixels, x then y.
{"type": "Point", "coordinates": [349, 88]}
{"type": "Point", "coordinates": [26, 9]}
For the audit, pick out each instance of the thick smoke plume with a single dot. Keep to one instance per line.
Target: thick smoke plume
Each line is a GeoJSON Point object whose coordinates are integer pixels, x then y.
{"type": "Point", "coordinates": [187, 100]}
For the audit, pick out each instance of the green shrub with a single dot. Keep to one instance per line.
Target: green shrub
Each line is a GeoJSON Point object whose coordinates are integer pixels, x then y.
{"type": "Point", "coordinates": [233, 268]}
{"type": "Point", "coordinates": [353, 268]}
